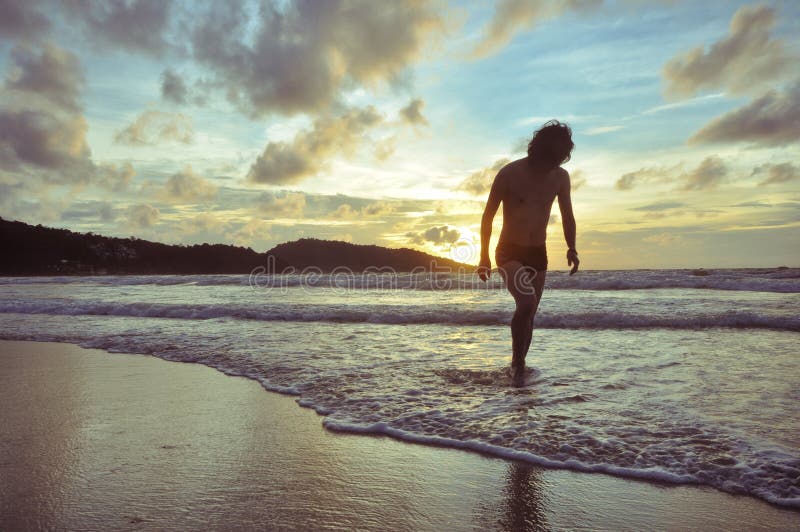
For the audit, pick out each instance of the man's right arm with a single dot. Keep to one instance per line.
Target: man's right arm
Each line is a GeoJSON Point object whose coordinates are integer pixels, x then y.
{"type": "Point", "coordinates": [492, 204]}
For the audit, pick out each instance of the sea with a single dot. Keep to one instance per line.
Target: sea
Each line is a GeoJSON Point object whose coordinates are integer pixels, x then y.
{"type": "Point", "coordinates": [676, 376]}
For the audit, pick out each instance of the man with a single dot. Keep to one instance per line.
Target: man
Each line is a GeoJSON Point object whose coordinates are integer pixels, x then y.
{"type": "Point", "coordinates": [527, 188]}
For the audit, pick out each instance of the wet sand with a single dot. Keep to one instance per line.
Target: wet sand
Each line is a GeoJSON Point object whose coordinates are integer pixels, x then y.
{"type": "Point", "coordinates": [93, 440]}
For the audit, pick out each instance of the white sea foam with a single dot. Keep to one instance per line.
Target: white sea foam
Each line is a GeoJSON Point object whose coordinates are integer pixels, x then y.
{"type": "Point", "coordinates": [651, 384]}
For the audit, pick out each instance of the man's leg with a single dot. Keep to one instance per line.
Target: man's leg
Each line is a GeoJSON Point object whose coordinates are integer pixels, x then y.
{"type": "Point", "coordinates": [538, 286]}
{"type": "Point", "coordinates": [525, 285]}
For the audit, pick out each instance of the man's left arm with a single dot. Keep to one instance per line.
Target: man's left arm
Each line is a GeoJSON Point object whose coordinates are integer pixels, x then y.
{"type": "Point", "coordinates": [568, 222]}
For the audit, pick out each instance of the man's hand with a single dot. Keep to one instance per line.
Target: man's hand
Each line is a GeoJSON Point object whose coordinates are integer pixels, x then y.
{"type": "Point", "coordinates": [485, 269]}
{"type": "Point", "coordinates": [572, 260]}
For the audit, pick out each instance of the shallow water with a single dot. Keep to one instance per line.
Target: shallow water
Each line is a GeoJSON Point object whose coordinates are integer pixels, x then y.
{"type": "Point", "coordinates": [651, 374]}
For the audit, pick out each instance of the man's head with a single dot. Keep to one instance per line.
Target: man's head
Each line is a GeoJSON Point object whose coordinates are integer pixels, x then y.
{"type": "Point", "coordinates": [551, 145]}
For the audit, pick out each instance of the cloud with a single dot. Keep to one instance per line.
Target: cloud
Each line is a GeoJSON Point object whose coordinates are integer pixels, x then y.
{"type": "Point", "coordinates": [771, 120]}
{"type": "Point", "coordinates": [106, 212]}
{"type": "Point", "coordinates": [479, 183]}
{"type": "Point", "coordinates": [154, 127]}
{"type": "Point", "coordinates": [663, 239]}
{"type": "Point", "coordinates": [777, 173]}
{"type": "Point", "coordinates": [437, 235]}
{"type": "Point", "coordinates": [699, 100]}
{"type": "Point", "coordinates": [659, 206]}
{"type": "Point", "coordinates": [303, 53]}
{"type": "Point", "coordinates": [253, 230]}
{"type": "Point", "coordinates": [385, 148]}
{"type": "Point", "coordinates": [89, 211]}
{"type": "Point", "coordinates": [345, 211]}
{"type": "Point", "coordinates": [709, 173]}
{"type": "Point", "coordinates": [202, 227]}
{"type": "Point", "coordinates": [43, 133]}
{"type": "Point", "coordinates": [603, 129]}
{"type": "Point", "coordinates": [42, 129]}
{"type": "Point", "coordinates": [187, 186]}
{"type": "Point", "coordinates": [514, 16]}
{"type": "Point", "coordinates": [142, 215]}
{"type": "Point", "coordinates": [21, 19]}
{"type": "Point", "coordinates": [643, 175]}
{"type": "Point", "coordinates": [577, 180]}
{"type": "Point", "coordinates": [283, 205]}
{"type": "Point", "coordinates": [54, 73]}
{"type": "Point", "coordinates": [377, 208]}
{"type": "Point", "coordinates": [744, 60]}
{"type": "Point", "coordinates": [173, 88]}
{"type": "Point", "coordinates": [132, 25]}
{"type": "Point", "coordinates": [114, 177]}
{"type": "Point", "coordinates": [311, 150]}
{"type": "Point", "coordinates": [412, 113]}
{"type": "Point", "coordinates": [46, 141]}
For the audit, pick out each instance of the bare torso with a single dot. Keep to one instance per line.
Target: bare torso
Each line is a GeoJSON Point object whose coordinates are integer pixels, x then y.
{"type": "Point", "coordinates": [527, 197]}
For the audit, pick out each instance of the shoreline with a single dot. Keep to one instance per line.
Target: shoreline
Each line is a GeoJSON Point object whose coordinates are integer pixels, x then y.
{"type": "Point", "coordinates": [120, 421]}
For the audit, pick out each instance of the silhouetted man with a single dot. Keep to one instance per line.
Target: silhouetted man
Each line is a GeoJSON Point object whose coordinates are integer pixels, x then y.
{"type": "Point", "coordinates": [527, 188]}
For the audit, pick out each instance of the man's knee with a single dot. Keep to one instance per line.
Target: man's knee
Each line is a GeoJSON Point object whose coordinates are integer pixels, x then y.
{"type": "Point", "coordinates": [526, 308]}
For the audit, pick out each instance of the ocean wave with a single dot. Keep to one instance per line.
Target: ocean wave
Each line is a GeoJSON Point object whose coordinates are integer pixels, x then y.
{"type": "Point", "coordinates": [752, 280]}
{"type": "Point", "coordinates": [401, 315]}
{"type": "Point", "coordinates": [752, 480]}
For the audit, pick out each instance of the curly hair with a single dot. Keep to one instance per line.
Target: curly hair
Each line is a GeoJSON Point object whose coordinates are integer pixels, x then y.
{"type": "Point", "coordinates": [551, 144]}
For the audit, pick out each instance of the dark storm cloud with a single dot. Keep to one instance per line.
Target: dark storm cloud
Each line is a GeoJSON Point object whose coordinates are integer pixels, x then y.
{"type": "Point", "coordinates": [132, 25]}
{"type": "Point", "coordinates": [173, 88]}
{"type": "Point", "coordinates": [748, 57]}
{"type": "Point", "coordinates": [310, 150]}
{"type": "Point", "coordinates": [304, 53]}
{"type": "Point", "coordinates": [22, 19]}
{"type": "Point", "coordinates": [54, 73]}
{"type": "Point", "coordinates": [771, 120]}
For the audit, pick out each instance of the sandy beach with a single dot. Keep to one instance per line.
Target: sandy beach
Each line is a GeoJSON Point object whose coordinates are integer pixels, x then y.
{"type": "Point", "coordinates": [93, 440]}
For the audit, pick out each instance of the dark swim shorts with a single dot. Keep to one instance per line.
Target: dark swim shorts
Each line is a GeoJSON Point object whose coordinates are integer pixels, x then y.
{"type": "Point", "coordinates": [532, 256]}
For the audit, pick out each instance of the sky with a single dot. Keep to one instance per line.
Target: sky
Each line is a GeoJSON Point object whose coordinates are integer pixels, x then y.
{"type": "Point", "coordinates": [256, 123]}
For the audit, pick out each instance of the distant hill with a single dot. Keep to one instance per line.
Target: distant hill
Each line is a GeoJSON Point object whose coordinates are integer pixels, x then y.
{"type": "Point", "coordinates": [39, 250]}
{"type": "Point", "coordinates": [330, 254]}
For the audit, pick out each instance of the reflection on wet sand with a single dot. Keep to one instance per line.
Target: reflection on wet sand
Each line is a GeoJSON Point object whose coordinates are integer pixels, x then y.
{"type": "Point", "coordinates": [523, 504]}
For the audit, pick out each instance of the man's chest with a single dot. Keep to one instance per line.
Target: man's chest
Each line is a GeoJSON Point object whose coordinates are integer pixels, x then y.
{"type": "Point", "coordinates": [530, 194]}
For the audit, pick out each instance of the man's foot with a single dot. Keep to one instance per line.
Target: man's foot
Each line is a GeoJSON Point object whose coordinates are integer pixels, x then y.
{"type": "Point", "coordinates": [517, 372]}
